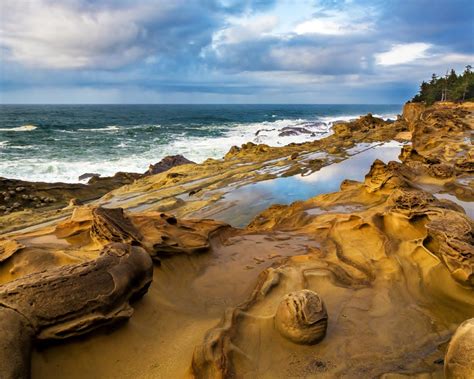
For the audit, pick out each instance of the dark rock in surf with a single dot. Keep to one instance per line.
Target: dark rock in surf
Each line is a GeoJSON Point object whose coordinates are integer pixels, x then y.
{"type": "Point", "coordinates": [293, 131]}
{"type": "Point", "coordinates": [88, 175]}
{"type": "Point", "coordinates": [166, 163]}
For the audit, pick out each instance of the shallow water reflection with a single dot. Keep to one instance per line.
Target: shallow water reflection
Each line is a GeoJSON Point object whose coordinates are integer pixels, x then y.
{"type": "Point", "coordinates": [468, 206]}
{"type": "Point", "coordinates": [245, 202]}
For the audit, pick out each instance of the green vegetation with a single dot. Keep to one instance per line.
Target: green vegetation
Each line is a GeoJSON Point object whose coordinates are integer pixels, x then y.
{"type": "Point", "coordinates": [452, 87]}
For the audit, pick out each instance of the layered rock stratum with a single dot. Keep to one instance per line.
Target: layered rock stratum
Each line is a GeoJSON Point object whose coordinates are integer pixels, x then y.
{"type": "Point", "coordinates": [374, 280]}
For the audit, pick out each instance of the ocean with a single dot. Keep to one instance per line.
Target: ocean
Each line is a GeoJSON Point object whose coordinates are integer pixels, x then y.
{"type": "Point", "coordinates": [60, 142]}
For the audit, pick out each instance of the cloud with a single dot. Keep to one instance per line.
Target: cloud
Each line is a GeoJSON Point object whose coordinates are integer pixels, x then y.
{"type": "Point", "coordinates": [340, 21]}
{"type": "Point", "coordinates": [403, 53]}
{"type": "Point", "coordinates": [71, 35]}
{"type": "Point", "coordinates": [259, 50]}
{"type": "Point", "coordinates": [245, 29]}
{"type": "Point", "coordinates": [331, 27]}
{"type": "Point", "coordinates": [77, 34]}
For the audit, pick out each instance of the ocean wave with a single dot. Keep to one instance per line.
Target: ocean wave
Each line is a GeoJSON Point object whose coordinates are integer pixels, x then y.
{"type": "Point", "coordinates": [23, 147]}
{"type": "Point", "coordinates": [23, 128]}
{"type": "Point", "coordinates": [145, 126]}
{"type": "Point", "coordinates": [137, 153]}
{"type": "Point", "coordinates": [199, 149]}
{"type": "Point", "coordinates": [386, 116]}
{"type": "Point", "coordinates": [196, 148]}
{"type": "Point", "coordinates": [110, 128]}
{"type": "Point", "coordinates": [3, 144]}
{"type": "Point", "coordinates": [346, 118]}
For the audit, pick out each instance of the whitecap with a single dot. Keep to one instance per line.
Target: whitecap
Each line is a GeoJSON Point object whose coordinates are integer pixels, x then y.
{"type": "Point", "coordinates": [24, 147]}
{"type": "Point", "coordinates": [23, 128]}
{"type": "Point", "coordinates": [110, 128]}
{"type": "Point", "coordinates": [144, 126]}
{"type": "Point", "coordinates": [387, 116]}
{"type": "Point", "coordinates": [196, 148]}
{"type": "Point", "coordinates": [199, 149]}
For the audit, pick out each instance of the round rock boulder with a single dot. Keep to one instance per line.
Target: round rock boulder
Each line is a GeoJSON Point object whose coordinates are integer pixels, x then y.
{"type": "Point", "coordinates": [459, 359]}
{"type": "Point", "coordinates": [301, 317]}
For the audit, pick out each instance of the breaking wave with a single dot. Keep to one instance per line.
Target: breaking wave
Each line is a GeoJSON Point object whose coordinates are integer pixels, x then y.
{"type": "Point", "coordinates": [23, 128]}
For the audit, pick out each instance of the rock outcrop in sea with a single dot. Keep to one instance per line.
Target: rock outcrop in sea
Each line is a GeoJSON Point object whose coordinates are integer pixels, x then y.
{"type": "Point", "coordinates": [374, 279]}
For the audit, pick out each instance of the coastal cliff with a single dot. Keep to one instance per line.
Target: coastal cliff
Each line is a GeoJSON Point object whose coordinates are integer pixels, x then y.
{"type": "Point", "coordinates": [374, 278]}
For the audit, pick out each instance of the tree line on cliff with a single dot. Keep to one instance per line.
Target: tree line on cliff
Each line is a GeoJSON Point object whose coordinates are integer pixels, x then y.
{"type": "Point", "coordinates": [451, 87]}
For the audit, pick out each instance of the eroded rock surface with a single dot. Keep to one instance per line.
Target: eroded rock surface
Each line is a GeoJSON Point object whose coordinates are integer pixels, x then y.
{"type": "Point", "coordinates": [69, 301]}
{"type": "Point", "coordinates": [390, 257]}
{"type": "Point", "coordinates": [301, 317]}
{"type": "Point", "coordinates": [166, 163]}
{"type": "Point", "coordinates": [459, 360]}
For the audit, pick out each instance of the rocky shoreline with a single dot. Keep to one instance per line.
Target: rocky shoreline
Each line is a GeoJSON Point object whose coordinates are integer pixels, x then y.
{"type": "Point", "coordinates": [372, 280]}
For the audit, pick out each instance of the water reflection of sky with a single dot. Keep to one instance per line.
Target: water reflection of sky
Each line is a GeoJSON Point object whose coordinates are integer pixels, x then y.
{"type": "Point", "coordinates": [251, 199]}
{"type": "Point", "coordinates": [468, 206]}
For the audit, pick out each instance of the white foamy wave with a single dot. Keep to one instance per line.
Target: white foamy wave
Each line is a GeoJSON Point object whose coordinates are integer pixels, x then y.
{"type": "Point", "coordinates": [197, 148]}
{"type": "Point", "coordinates": [110, 128]}
{"type": "Point", "coordinates": [273, 133]}
{"type": "Point", "coordinates": [145, 126]}
{"type": "Point", "coordinates": [3, 144]}
{"type": "Point", "coordinates": [23, 147]}
{"type": "Point", "coordinates": [23, 128]}
{"type": "Point", "coordinates": [346, 118]}
{"type": "Point", "coordinates": [387, 116]}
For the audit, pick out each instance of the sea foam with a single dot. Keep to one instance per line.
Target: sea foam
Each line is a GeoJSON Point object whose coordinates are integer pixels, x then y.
{"type": "Point", "coordinates": [110, 128]}
{"type": "Point", "coordinates": [23, 128]}
{"type": "Point", "coordinates": [137, 146]}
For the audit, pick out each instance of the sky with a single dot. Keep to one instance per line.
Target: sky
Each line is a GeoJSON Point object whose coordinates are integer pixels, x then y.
{"type": "Point", "coordinates": [228, 51]}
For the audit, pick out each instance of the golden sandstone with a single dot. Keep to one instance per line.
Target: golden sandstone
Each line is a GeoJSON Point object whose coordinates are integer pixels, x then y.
{"type": "Point", "coordinates": [373, 280]}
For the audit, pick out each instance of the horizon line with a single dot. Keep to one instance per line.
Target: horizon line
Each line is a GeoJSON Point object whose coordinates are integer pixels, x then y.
{"type": "Point", "coordinates": [202, 103]}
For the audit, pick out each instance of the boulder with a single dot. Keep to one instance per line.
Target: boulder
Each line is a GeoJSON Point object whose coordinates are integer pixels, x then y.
{"type": "Point", "coordinates": [166, 163]}
{"type": "Point", "coordinates": [301, 317]}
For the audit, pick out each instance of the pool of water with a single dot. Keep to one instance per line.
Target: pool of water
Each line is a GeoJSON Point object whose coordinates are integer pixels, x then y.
{"type": "Point", "coordinates": [468, 206]}
{"type": "Point", "coordinates": [245, 202]}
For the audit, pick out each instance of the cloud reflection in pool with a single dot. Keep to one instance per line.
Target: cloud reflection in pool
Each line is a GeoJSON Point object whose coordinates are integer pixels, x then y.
{"type": "Point", "coordinates": [247, 201]}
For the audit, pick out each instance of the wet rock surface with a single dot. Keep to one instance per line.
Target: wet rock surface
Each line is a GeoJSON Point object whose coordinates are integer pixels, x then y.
{"type": "Point", "coordinates": [21, 197]}
{"type": "Point", "coordinates": [372, 280]}
{"type": "Point", "coordinates": [166, 163]}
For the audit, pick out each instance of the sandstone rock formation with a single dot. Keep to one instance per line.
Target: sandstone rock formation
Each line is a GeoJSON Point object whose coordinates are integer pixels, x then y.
{"type": "Point", "coordinates": [19, 197]}
{"type": "Point", "coordinates": [301, 317]}
{"type": "Point", "coordinates": [391, 256]}
{"type": "Point", "coordinates": [69, 301]}
{"type": "Point", "coordinates": [459, 360]}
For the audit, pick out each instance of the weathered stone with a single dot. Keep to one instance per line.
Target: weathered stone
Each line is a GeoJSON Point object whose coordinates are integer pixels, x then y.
{"type": "Point", "coordinates": [166, 163]}
{"type": "Point", "coordinates": [459, 359]}
{"type": "Point", "coordinates": [69, 301]}
{"type": "Point", "coordinates": [301, 317]}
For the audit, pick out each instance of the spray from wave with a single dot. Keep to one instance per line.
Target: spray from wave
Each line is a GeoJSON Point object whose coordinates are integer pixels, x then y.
{"type": "Point", "coordinates": [76, 145]}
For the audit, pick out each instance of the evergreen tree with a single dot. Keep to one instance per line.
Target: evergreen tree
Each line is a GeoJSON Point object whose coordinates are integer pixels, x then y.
{"type": "Point", "coordinates": [457, 87]}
